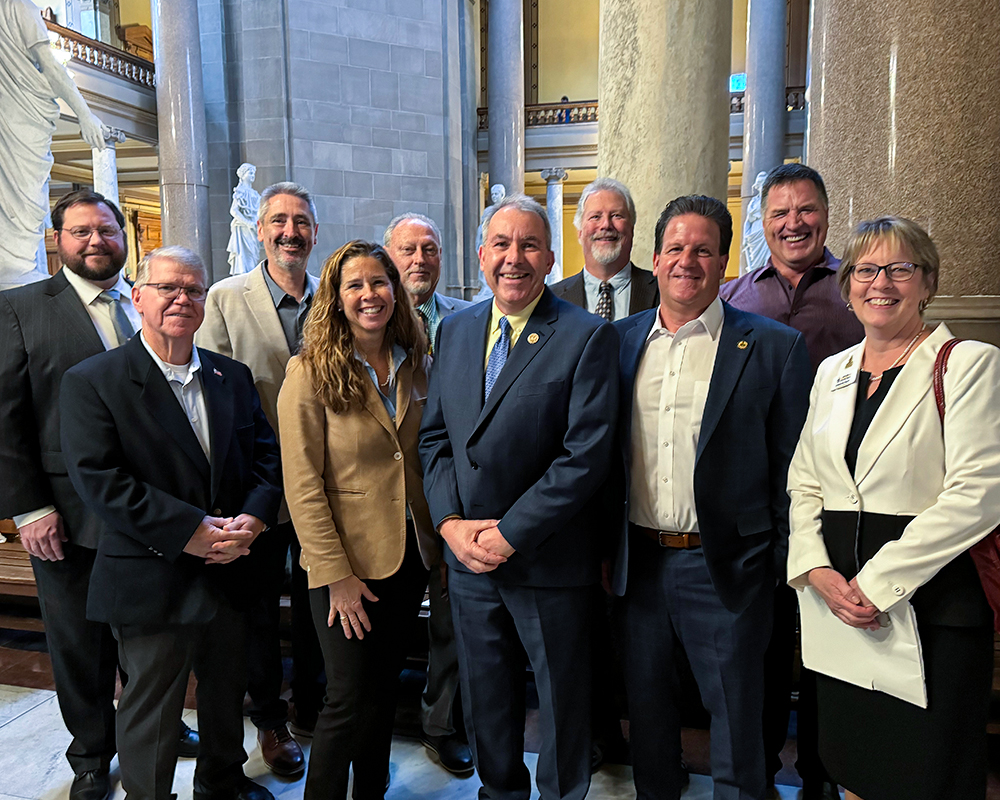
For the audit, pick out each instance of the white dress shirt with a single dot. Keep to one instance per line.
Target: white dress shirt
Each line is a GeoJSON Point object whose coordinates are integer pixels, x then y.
{"type": "Point", "coordinates": [100, 315]}
{"type": "Point", "coordinates": [185, 382]}
{"type": "Point", "coordinates": [99, 311]}
{"type": "Point", "coordinates": [671, 387]}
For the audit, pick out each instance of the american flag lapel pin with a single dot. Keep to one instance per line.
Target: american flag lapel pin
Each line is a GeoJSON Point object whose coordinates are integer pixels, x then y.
{"type": "Point", "coordinates": [216, 372]}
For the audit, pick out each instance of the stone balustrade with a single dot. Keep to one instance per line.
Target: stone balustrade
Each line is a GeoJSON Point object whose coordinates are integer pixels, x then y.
{"type": "Point", "coordinates": [103, 56]}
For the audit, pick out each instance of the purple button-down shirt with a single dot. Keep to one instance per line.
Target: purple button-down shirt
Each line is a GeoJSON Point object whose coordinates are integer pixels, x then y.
{"type": "Point", "coordinates": [814, 307]}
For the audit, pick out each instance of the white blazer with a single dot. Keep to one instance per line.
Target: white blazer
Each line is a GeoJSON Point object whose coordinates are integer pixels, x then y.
{"type": "Point", "coordinates": [903, 466]}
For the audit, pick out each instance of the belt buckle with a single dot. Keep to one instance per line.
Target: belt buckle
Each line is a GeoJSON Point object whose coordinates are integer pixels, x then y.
{"type": "Point", "coordinates": [669, 539]}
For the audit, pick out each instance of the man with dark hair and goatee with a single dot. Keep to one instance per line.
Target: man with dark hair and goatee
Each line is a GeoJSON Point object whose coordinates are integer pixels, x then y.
{"type": "Point", "coordinates": [46, 328]}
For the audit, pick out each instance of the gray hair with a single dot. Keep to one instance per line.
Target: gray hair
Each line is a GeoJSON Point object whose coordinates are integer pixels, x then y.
{"type": "Point", "coordinates": [604, 185]}
{"type": "Point", "coordinates": [285, 187]}
{"type": "Point", "coordinates": [522, 203]}
{"type": "Point", "coordinates": [410, 215]}
{"type": "Point", "coordinates": [188, 259]}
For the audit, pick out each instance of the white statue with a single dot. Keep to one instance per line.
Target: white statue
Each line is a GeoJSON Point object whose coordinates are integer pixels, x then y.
{"type": "Point", "coordinates": [497, 193]}
{"type": "Point", "coordinates": [244, 247]}
{"type": "Point", "coordinates": [31, 79]}
{"type": "Point", "coordinates": [754, 251]}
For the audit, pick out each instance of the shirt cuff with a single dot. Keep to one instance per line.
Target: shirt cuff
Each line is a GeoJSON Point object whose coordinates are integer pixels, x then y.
{"type": "Point", "coordinates": [32, 516]}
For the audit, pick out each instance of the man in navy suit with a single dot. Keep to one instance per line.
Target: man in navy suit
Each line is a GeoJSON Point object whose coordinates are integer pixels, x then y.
{"type": "Point", "coordinates": [713, 400]}
{"type": "Point", "coordinates": [516, 439]}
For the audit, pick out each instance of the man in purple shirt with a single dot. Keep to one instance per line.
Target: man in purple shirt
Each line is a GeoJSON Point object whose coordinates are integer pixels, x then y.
{"type": "Point", "coordinates": [798, 287]}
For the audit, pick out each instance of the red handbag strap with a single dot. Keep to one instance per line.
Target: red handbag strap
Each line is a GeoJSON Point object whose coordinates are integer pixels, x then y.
{"type": "Point", "coordinates": [940, 368]}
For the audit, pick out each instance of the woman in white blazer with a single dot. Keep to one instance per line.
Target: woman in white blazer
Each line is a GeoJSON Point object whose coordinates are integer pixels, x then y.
{"type": "Point", "coordinates": [884, 507]}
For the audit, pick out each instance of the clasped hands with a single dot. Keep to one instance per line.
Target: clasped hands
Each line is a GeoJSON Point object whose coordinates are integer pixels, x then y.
{"type": "Point", "coordinates": [845, 599]}
{"type": "Point", "coordinates": [220, 540]}
{"type": "Point", "coordinates": [477, 543]}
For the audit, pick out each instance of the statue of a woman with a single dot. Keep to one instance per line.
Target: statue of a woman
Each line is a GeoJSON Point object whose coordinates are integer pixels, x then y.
{"type": "Point", "coordinates": [243, 247]}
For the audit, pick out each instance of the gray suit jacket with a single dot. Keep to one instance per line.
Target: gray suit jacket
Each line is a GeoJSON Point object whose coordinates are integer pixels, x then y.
{"type": "Point", "coordinates": [645, 292]}
{"type": "Point", "coordinates": [449, 305]}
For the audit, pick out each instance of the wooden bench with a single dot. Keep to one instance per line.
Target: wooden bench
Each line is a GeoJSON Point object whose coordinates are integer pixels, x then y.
{"type": "Point", "coordinates": [16, 577]}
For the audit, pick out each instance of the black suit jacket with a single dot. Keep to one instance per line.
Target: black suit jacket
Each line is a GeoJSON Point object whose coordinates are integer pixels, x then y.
{"type": "Point", "coordinates": [756, 405]}
{"type": "Point", "coordinates": [645, 290]}
{"type": "Point", "coordinates": [131, 453]}
{"type": "Point", "coordinates": [44, 330]}
{"type": "Point", "coordinates": [536, 452]}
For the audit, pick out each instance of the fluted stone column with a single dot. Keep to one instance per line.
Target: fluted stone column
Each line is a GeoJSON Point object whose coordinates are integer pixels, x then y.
{"type": "Point", "coordinates": [105, 165]}
{"type": "Point", "coordinates": [554, 177]}
{"type": "Point", "coordinates": [903, 119]}
{"type": "Point", "coordinates": [183, 139]}
{"type": "Point", "coordinates": [505, 54]}
{"type": "Point", "coordinates": [664, 103]}
{"type": "Point", "coordinates": [764, 103]}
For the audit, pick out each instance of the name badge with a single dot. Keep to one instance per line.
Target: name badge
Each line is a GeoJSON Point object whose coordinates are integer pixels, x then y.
{"type": "Point", "coordinates": [845, 380]}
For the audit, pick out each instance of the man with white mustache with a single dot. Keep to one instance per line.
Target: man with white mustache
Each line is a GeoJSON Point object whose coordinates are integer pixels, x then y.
{"type": "Point", "coordinates": [609, 284]}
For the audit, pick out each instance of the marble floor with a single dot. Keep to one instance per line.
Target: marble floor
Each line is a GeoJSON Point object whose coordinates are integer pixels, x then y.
{"type": "Point", "coordinates": [32, 766]}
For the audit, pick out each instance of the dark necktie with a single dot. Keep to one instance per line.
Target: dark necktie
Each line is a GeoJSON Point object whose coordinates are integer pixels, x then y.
{"type": "Point", "coordinates": [498, 356]}
{"type": "Point", "coordinates": [427, 332]}
{"type": "Point", "coordinates": [119, 319]}
{"type": "Point", "coordinates": [605, 302]}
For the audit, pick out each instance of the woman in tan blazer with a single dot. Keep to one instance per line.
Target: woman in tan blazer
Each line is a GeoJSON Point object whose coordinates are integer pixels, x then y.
{"type": "Point", "coordinates": [349, 413]}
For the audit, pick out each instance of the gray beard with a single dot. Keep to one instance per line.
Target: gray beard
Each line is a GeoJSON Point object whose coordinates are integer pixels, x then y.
{"type": "Point", "coordinates": [606, 252]}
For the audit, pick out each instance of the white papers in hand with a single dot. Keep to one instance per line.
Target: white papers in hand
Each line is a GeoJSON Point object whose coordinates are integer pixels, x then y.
{"type": "Point", "coordinates": [887, 660]}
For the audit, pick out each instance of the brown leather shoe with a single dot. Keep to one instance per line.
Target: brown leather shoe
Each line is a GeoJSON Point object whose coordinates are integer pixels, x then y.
{"type": "Point", "coordinates": [281, 752]}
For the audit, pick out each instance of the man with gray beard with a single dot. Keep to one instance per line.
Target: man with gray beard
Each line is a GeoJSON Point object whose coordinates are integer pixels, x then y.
{"type": "Point", "coordinates": [609, 285]}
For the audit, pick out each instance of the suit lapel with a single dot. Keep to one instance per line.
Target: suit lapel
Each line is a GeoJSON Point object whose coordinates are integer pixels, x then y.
{"type": "Point", "coordinates": [845, 393]}
{"type": "Point", "coordinates": [644, 290]}
{"type": "Point", "coordinates": [907, 391]}
{"type": "Point", "coordinates": [71, 310]}
{"type": "Point", "coordinates": [159, 399]}
{"type": "Point", "coordinates": [539, 324]}
{"type": "Point", "coordinates": [261, 305]}
{"type": "Point", "coordinates": [736, 343]}
{"type": "Point", "coordinates": [219, 401]}
{"type": "Point", "coordinates": [575, 292]}
{"type": "Point", "coordinates": [404, 387]}
{"type": "Point", "coordinates": [632, 346]}
{"type": "Point", "coordinates": [471, 341]}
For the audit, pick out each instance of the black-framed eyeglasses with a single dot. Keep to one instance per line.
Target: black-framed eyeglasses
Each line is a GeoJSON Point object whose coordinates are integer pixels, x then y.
{"type": "Point", "coordinates": [897, 271]}
{"type": "Point", "coordinates": [83, 234]}
{"type": "Point", "coordinates": [171, 291]}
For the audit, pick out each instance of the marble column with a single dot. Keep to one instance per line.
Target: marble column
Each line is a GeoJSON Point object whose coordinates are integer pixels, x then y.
{"type": "Point", "coordinates": [911, 128]}
{"type": "Point", "coordinates": [554, 177]}
{"type": "Point", "coordinates": [505, 65]}
{"type": "Point", "coordinates": [105, 165]}
{"type": "Point", "coordinates": [764, 102]}
{"type": "Point", "coordinates": [664, 103]}
{"type": "Point", "coordinates": [183, 138]}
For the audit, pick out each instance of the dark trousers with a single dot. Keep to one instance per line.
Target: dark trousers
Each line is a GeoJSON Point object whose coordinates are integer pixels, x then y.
{"type": "Point", "coordinates": [437, 705]}
{"type": "Point", "coordinates": [362, 682]}
{"type": "Point", "coordinates": [159, 660]}
{"type": "Point", "coordinates": [669, 605]}
{"type": "Point", "coordinates": [492, 622]}
{"type": "Point", "coordinates": [268, 710]}
{"type": "Point", "coordinates": [84, 657]}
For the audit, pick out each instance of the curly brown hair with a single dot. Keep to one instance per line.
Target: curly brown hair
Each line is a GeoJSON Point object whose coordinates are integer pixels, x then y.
{"type": "Point", "coordinates": [328, 342]}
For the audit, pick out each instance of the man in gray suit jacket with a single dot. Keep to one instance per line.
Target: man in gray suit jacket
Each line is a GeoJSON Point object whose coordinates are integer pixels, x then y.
{"type": "Point", "coordinates": [609, 285]}
{"type": "Point", "coordinates": [414, 244]}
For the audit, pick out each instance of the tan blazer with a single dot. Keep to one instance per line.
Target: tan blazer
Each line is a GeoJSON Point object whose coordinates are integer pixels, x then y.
{"type": "Point", "coordinates": [350, 477]}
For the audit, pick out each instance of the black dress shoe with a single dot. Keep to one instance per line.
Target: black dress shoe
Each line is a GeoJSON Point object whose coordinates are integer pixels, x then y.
{"type": "Point", "coordinates": [819, 790]}
{"type": "Point", "coordinates": [93, 785]}
{"type": "Point", "coordinates": [453, 754]}
{"type": "Point", "coordinates": [246, 790]}
{"type": "Point", "coordinates": [187, 745]}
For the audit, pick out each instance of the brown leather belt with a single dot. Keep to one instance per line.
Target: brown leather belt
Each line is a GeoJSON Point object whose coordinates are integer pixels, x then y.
{"type": "Point", "coordinates": [678, 541]}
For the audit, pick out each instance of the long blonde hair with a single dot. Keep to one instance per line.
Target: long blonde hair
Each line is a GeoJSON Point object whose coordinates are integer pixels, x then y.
{"type": "Point", "coordinates": [328, 342]}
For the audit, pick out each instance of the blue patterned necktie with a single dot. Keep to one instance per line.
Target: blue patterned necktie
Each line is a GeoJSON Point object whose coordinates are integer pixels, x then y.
{"type": "Point", "coordinates": [498, 356]}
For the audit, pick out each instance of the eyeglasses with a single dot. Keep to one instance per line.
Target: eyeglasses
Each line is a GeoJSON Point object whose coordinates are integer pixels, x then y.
{"type": "Point", "coordinates": [170, 291]}
{"type": "Point", "coordinates": [84, 234]}
{"type": "Point", "coordinates": [897, 272]}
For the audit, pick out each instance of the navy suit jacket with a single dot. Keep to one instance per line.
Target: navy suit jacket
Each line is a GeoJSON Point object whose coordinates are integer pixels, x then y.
{"type": "Point", "coordinates": [756, 405]}
{"type": "Point", "coordinates": [132, 455]}
{"type": "Point", "coordinates": [534, 455]}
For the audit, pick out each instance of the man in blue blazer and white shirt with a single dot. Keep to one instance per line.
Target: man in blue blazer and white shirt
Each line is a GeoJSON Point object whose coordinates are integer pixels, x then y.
{"type": "Point", "coordinates": [712, 402]}
{"type": "Point", "coordinates": [516, 439]}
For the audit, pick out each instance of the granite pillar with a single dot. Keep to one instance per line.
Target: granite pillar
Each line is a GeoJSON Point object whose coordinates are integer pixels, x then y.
{"type": "Point", "coordinates": [764, 102]}
{"type": "Point", "coordinates": [554, 177]}
{"type": "Point", "coordinates": [505, 51]}
{"type": "Point", "coordinates": [105, 165]}
{"type": "Point", "coordinates": [911, 128]}
{"type": "Point", "coordinates": [183, 138]}
{"type": "Point", "coordinates": [664, 103]}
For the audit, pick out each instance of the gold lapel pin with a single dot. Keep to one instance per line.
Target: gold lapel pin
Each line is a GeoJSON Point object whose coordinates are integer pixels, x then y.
{"type": "Point", "coordinates": [533, 338]}
{"type": "Point", "coordinates": [850, 362]}
{"type": "Point", "coordinates": [742, 345]}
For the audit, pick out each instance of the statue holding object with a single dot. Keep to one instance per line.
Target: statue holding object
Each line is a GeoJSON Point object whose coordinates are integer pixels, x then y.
{"type": "Point", "coordinates": [244, 247]}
